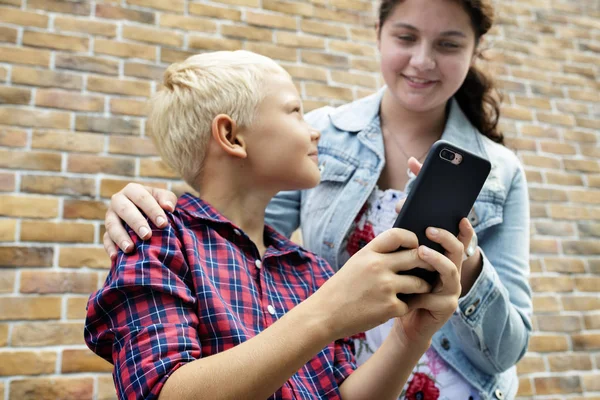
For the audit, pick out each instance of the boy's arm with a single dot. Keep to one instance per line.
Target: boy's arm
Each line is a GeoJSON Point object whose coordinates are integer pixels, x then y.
{"type": "Point", "coordinates": [385, 372]}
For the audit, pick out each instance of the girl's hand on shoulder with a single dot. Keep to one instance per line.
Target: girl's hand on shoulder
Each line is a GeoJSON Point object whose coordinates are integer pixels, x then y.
{"type": "Point", "coordinates": [127, 206]}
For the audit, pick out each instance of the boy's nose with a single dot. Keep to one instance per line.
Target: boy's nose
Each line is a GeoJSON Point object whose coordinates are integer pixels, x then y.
{"type": "Point", "coordinates": [315, 134]}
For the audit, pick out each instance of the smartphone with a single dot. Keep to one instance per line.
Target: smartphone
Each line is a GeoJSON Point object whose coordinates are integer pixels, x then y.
{"type": "Point", "coordinates": [442, 195]}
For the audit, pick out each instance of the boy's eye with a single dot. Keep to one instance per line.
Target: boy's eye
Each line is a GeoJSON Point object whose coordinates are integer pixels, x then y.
{"type": "Point", "coordinates": [297, 109]}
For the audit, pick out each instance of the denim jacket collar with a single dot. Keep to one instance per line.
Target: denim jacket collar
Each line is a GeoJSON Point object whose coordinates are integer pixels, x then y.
{"type": "Point", "coordinates": [356, 116]}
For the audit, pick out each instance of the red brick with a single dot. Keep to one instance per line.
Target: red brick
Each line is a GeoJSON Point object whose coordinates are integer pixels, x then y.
{"type": "Point", "coordinates": [24, 18]}
{"type": "Point", "coordinates": [70, 24]}
{"type": "Point", "coordinates": [42, 231]}
{"type": "Point", "coordinates": [53, 98]}
{"type": "Point", "coordinates": [84, 209]}
{"type": "Point", "coordinates": [557, 385]}
{"type": "Point", "coordinates": [59, 6]}
{"type": "Point", "coordinates": [78, 62]}
{"type": "Point", "coordinates": [8, 35]}
{"type": "Point", "coordinates": [14, 95]}
{"type": "Point", "coordinates": [581, 303]}
{"type": "Point", "coordinates": [323, 28]}
{"type": "Point", "coordinates": [592, 321]}
{"type": "Point", "coordinates": [330, 92]}
{"type": "Point", "coordinates": [581, 247]}
{"type": "Point", "coordinates": [108, 187]}
{"type": "Point", "coordinates": [36, 334]}
{"type": "Point", "coordinates": [27, 363]}
{"type": "Point", "coordinates": [552, 284]}
{"type": "Point", "coordinates": [271, 20]}
{"type": "Point", "coordinates": [559, 323]}
{"type": "Point", "coordinates": [548, 343]}
{"type": "Point", "coordinates": [107, 84]}
{"type": "Point", "coordinates": [222, 13]}
{"type": "Point", "coordinates": [7, 182]}
{"type": "Point", "coordinates": [76, 308]}
{"type": "Point", "coordinates": [189, 23]}
{"type": "Point", "coordinates": [45, 78]}
{"type": "Point", "coordinates": [50, 388]}
{"type": "Point", "coordinates": [545, 246]}
{"type": "Point", "coordinates": [124, 50]}
{"type": "Point", "coordinates": [58, 185]}
{"type": "Point", "coordinates": [559, 178]}
{"type": "Point", "coordinates": [586, 341]}
{"type": "Point", "coordinates": [565, 265]}
{"type": "Point", "coordinates": [113, 12]}
{"type": "Point", "coordinates": [531, 364]}
{"type": "Point", "coordinates": [7, 285]}
{"type": "Point", "coordinates": [106, 386]}
{"type": "Point", "coordinates": [152, 35]}
{"type": "Point", "coordinates": [78, 257]}
{"type": "Point", "coordinates": [525, 387]}
{"type": "Point", "coordinates": [89, 164]}
{"type": "Point", "coordinates": [128, 107]}
{"type": "Point", "coordinates": [171, 55]}
{"type": "Point", "coordinates": [30, 160]}
{"type": "Point", "coordinates": [24, 55]}
{"type": "Point", "coordinates": [131, 145]}
{"type": "Point", "coordinates": [8, 228]}
{"type": "Point", "coordinates": [74, 361]}
{"type": "Point", "coordinates": [172, 5]}
{"type": "Point", "coordinates": [10, 137]}
{"type": "Point", "coordinates": [146, 71]}
{"type": "Point", "coordinates": [46, 282]}
{"type": "Point", "coordinates": [107, 125]}
{"type": "Point", "coordinates": [543, 304]}
{"type": "Point", "coordinates": [304, 9]}
{"type": "Point", "coordinates": [66, 141]}
{"type": "Point", "coordinates": [29, 308]}
{"type": "Point", "coordinates": [34, 118]}
{"type": "Point", "coordinates": [55, 41]}
{"type": "Point", "coordinates": [28, 206]}
{"type": "Point", "coordinates": [248, 32]}
{"type": "Point", "coordinates": [215, 44]}
{"type": "Point", "coordinates": [570, 362]}
{"type": "Point", "coordinates": [3, 336]}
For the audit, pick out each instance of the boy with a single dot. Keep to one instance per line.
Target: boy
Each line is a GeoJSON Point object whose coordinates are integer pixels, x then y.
{"type": "Point", "coordinates": [218, 305]}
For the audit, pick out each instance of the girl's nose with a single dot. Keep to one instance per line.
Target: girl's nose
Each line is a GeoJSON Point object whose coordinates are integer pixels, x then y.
{"type": "Point", "coordinates": [422, 59]}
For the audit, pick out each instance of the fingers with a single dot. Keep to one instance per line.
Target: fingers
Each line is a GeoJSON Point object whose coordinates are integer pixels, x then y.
{"type": "Point", "coordinates": [400, 204]}
{"type": "Point", "coordinates": [454, 247]}
{"type": "Point", "coordinates": [132, 197]}
{"type": "Point", "coordinates": [449, 280]}
{"type": "Point", "coordinates": [466, 232]}
{"type": "Point", "coordinates": [404, 260]}
{"type": "Point", "coordinates": [391, 240]}
{"type": "Point", "coordinates": [165, 198]}
{"type": "Point", "coordinates": [109, 247]}
{"type": "Point", "coordinates": [409, 284]}
{"type": "Point", "coordinates": [438, 305]}
{"type": "Point", "coordinates": [116, 233]}
{"type": "Point", "coordinates": [414, 165]}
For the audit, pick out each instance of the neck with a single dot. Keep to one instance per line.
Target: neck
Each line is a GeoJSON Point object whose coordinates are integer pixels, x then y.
{"type": "Point", "coordinates": [412, 125]}
{"type": "Point", "coordinates": [238, 201]}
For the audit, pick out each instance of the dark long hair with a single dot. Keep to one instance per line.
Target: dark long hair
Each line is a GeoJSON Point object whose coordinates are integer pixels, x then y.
{"type": "Point", "coordinates": [478, 97]}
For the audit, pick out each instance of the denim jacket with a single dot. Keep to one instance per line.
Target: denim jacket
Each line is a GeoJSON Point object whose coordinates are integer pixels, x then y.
{"type": "Point", "coordinates": [489, 331]}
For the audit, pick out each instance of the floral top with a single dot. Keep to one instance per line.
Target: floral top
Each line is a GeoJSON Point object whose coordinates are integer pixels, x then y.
{"type": "Point", "coordinates": [432, 378]}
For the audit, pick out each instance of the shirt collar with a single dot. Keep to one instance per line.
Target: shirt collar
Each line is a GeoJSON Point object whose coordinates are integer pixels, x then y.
{"type": "Point", "coordinates": [356, 116]}
{"type": "Point", "coordinates": [201, 209]}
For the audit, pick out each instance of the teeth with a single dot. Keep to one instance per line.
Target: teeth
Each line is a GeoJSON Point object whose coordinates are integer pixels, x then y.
{"type": "Point", "coordinates": [417, 80]}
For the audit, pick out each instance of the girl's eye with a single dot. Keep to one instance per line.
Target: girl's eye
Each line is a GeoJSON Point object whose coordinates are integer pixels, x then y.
{"type": "Point", "coordinates": [449, 45]}
{"type": "Point", "coordinates": [406, 38]}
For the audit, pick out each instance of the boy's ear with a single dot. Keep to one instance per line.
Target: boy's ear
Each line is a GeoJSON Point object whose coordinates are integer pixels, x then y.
{"type": "Point", "coordinates": [227, 135]}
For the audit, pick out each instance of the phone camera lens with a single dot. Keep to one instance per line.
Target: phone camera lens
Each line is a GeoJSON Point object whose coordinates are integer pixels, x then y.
{"type": "Point", "coordinates": [447, 155]}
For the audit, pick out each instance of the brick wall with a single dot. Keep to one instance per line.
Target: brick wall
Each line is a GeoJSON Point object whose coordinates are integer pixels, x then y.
{"type": "Point", "coordinates": [74, 76]}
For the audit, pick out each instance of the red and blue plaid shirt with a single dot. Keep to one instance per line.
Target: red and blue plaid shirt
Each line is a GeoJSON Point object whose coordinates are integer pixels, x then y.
{"type": "Point", "coordinates": [197, 288]}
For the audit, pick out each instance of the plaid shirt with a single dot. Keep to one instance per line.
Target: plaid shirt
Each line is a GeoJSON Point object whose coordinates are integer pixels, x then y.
{"type": "Point", "coordinates": [197, 288]}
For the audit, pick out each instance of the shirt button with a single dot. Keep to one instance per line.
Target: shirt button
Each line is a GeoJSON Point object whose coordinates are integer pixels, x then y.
{"type": "Point", "coordinates": [258, 264]}
{"type": "Point", "coordinates": [499, 394]}
{"type": "Point", "coordinates": [445, 344]}
{"type": "Point", "coordinates": [271, 309]}
{"type": "Point", "coordinates": [321, 168]}
{"type": "Point", "coordinates": [470, 310]}
{"type": "Point", "coordinates": [237, 232]}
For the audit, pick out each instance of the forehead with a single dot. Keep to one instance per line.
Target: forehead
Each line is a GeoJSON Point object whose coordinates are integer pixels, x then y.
{"type": "Point", "coordinates": [431, 16]}
{"type": "Point", "coordinates": [279, 87]}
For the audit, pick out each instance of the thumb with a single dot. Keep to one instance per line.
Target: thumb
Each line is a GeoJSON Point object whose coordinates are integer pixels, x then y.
{"type": "Point", "coordinates": [414, 165]}
{"type": "Point", "coordinates": [391, 240]}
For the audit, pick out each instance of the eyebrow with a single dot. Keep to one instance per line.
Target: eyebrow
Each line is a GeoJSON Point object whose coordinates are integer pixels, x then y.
{"type": "Point", "coordinates": [412, 28]}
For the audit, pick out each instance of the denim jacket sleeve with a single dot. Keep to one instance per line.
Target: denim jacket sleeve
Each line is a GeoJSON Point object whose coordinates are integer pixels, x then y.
{"type": "Point", "coordinates": [283, 212]}
{"type": "Point", "coordinates": [493, 319]}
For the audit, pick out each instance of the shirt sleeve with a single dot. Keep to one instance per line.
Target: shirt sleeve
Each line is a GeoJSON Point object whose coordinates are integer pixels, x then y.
{"type": "Point", "coordinates": [143, 319]}
{"type": "Point", "coordinates": [344, 363]}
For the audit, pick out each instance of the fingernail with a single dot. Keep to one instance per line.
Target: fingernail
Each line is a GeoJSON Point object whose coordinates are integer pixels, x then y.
{"type": "Point", "coordinates": [125, 246]}
{"type": "Point", "coordinates": [170, 205]}
{"type": "Point", "coordinates": [144, 231]}
{"type": "Point", "coordinates": [426, 250]}
{"type": "Point", "coordinates": [113, 256]}
{"type": "Point", "coordinates": [434, 231]}
{"type": "Point", "coordinates": [160, 221]}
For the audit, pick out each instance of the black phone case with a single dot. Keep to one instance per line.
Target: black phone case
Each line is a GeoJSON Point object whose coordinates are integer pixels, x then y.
{"type": "Point", "coordinates": [443, 193]}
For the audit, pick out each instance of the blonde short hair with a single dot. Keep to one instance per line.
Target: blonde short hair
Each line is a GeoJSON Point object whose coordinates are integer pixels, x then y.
{"type": "Point", "coordinates": [195, 92]}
